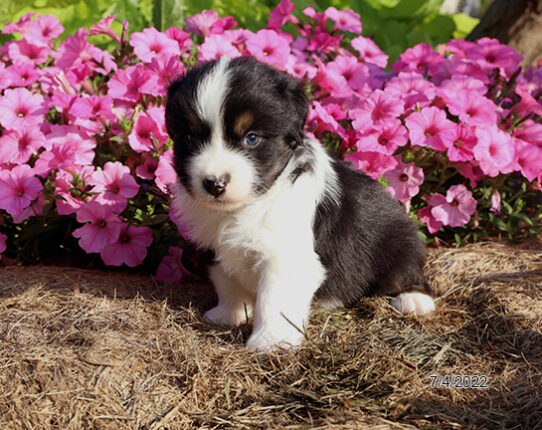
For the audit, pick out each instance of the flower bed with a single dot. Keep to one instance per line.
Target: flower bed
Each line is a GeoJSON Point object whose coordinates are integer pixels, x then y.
{"type": "Point", "coordinates": [454, 133]}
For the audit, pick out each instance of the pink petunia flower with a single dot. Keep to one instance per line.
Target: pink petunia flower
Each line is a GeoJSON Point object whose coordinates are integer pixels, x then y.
{"type": "Point", "coordinates": [268, 46]}
{"type": "Point", "coordinates": [374, 164]}
{"type": "Point", "coordinates": [369, 51]}
{"type": "Point", "coordinates": [200, 24]}
{"type": "Point", "coordinates": [18, 188]}
{"type": "Point", "coordinates": [495, 203]}
{"type": "Point", "coordinates": [150, 43]}
{"type": "Point", "coordinates": [70, 185]}
{"type": "Point", "coordinates": [320, 120]}
{"type": "Point", "coordinates": [131, 83]}
{"type": "Point", "coordinates": [345, 20]}
{"type": "Point", "coordinates": [456, 208]}
{"type": "Point", "coordinates": [385, 138]}
{"type": "Point", "coordinates": [412, 88]}
{"type": "Point", "coordinates": [114, 184]}
{"type": "Point", "coordinates": [281, 14]}
{"type": "Point", "coordinates": [377, 109]}
{"type": "Point", "coordinates": [528, 159]}
{"type": "Point", "coordinates": [463, 141]}
{"type": "Point", "coordinates": [494, 151]}
{"type": "Point", "coordinates": [490, 54]}
{"type": "Point", "coordinates": [417, 59]}
{"type": "Point", "coordinates": [165, 173]}
{"type": "Point", "coordinates": [17, 147]}
{"type": "Point", "coordinates": [104, 27]}
{"type": "Point", "coordinates": [171, 267]}
{"type": "Point", "coordinates": [44, 29]}
{"type": "Point", "coordinates": [130, 248]}
{"type": "Point", "coordinates": [103, 227]}
{"type": "Point", "coordinates": [23, 75]}
{"type": "Point", "coordinates": [20, 109]}
{"type": "Point", "coordinates": [473, 109]}
{"type": "Point", "coordinates": [147, 168]}
{"type": "Point", "coordinates": [430, 127]}
{"type": "Point", "coordinates": [344, 75]}
{"type": "Point", "coordinates": [216, 46]}
{"type": "Point", "coordinates": [166, 69]}
{"type": "Point", "coordinates": [148, 133]}
{"type": "Point", "coordinates": [405, 181]}
{"type": "Point", "coordinates": [26, 52]}
{"type": "Point", "coordinates": [429, 220]}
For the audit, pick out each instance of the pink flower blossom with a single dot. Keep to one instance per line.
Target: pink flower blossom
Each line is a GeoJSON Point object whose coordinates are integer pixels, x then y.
{"type": "Point", "coordinates": [345, 20]}
{"type": "Point", "coordinates": [166, 70]}
{"type": "Point", "coordinates": [114, 184]}
{"type": "Point", "coordinates": [70, 186]}
{"type": "Point", "coordinates": [345, 75]}
{"type": "Point", "coordinates": [20, 109]}
{"type": "Point", "coordinates": [473, 109]}
{"type": "Point", "coordinates": [77, 51]}
{"type": "Point", "coordinates": [104, 27]}
{"type": "Point", "coordinates": [281, 14]}
{"type": "Point", "coordinates": [148, 133]}
{"type": "Point", "coordinates": [429, 220]}
{"type": "Point", "coordinates": [320, 120]}
{"type": "Point", "coordinates": [24, 51]}
{"type": "Point", "coordinates": [385, 138]}
{"type": "Point", "coordinates": [369, 51]}
{"type": "Point", "coordinates": [417, 59]}
{"type": "Point", "coordinates": [405, 181]}
{"type": "Point", "coordinates": [103, 227]}
{"type": "Point", "coordinates": [456, 208]}
{"type": "Point", "coordinates": [18, 188]}
{"type": "Point", "coordinates": [147, 168]}
{"type": "Point", "coordinates": [430, 127]}
{"type": "Point", "coordinates": [528, 159]}
{"type": "Point", "coordinates": [44, 29]}
{"type": "Point", "coordinates": [412, 88]}
{"type": "Point", "coordinates": [495, 203]}
{"type": "Point", "coordinates": [171, 268]}
{"type": "Point", "coordinates": [268, 46]}
{"type": "Point", "coordinates": [130, 248]}
{"type": "Point", "coordinates": [216, 46]}
{"type": "Point", "coordinates": [490, 54]}
{"type": "Point", "coordinates": [131, 83]}
{"type": "Point", "coordinates": [461, 143]}
{"type": "Point", "coordinates": [17, 147]}
{"type": "Point", "coordinates": [200, 24]}
{"type": "Point", "coordinates": [494, 151]}
{"type": "Point", "coordinates": [23, 75]}
{"type": "Point", "coordinates": [165, 173]}
{"type": "Point", "coordinates": [374, 164]}
{"type": "Point", "coordinates": [150, 43]}
{"type": "Point", "coordinates": [377, 109]}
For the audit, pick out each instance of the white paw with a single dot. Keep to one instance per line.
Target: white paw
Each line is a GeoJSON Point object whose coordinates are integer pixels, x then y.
{"type": "Point", "coordinates": [261, 340]}
{"type": "Point", "coordinates": [413, 303]}
{"type": "Point", "coordinates": [221, 315]}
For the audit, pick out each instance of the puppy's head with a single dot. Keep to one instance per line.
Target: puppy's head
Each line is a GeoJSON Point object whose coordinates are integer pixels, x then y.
{"type": "Point", "coordinates": [234, 124]}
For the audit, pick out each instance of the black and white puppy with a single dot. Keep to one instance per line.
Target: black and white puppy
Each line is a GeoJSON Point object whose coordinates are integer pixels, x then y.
{"type": "Point", "coordinates": [287, 223]}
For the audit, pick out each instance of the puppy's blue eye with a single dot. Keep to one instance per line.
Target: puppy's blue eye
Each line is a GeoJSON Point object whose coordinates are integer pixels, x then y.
{"type": "Point", "coordinates": [251, 139]}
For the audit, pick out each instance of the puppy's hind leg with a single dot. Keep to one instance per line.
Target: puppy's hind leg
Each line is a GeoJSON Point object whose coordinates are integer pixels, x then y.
{"type": "Point", "coordinates": [235, 304]}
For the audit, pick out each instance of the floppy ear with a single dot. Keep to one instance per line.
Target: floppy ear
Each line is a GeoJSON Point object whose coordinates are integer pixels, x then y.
{"type": "Point", "coordinates": [298, 108]}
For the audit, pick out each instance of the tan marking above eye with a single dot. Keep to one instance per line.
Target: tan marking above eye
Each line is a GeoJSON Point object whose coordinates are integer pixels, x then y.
{"type": "Point", "coordinates": [243, 123]}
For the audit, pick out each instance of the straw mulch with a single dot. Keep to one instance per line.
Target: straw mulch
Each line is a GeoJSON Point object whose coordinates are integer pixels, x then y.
{"type": "Point", "coordinates": [83, 349]}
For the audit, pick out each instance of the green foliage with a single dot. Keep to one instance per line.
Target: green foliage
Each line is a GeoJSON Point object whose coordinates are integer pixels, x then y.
{"type": "Point", "coordinates": [395, 25]}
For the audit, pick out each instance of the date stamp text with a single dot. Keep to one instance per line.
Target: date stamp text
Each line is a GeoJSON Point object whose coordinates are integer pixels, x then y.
{"type": "Point", "coordinates": [459, 381]}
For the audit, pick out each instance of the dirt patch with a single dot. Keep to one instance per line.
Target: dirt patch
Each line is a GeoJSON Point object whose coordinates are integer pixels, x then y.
{"type": "Point", "coordinates": [92, 350]}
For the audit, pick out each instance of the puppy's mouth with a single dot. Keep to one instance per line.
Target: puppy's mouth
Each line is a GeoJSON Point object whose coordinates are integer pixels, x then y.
{"type": "Point", "coordinates": [220, 204]}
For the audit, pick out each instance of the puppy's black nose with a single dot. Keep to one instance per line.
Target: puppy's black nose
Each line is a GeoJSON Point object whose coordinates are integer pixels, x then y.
{"type": "Point", "coordinates": [216, 186]}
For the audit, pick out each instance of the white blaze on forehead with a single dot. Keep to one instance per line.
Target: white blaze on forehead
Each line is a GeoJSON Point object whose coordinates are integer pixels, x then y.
{"type": "Point", "coordinates": [211, 93]}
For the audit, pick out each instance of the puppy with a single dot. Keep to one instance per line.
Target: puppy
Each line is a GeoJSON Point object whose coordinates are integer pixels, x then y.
{"type": "Point", "coordinates": [287, 223]}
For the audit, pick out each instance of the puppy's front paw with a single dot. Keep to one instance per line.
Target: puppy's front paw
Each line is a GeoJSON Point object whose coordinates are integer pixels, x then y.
{"type": "Point", "coordinates": [261, 340]}
{"type": "Point", "coordinates": [222, 315]}
{"type": "Point", "coordinates": [413, 303]}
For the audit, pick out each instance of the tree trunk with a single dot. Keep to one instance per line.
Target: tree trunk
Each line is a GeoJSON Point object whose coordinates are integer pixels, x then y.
{"type": "Point", "coordinates": [517, 23]}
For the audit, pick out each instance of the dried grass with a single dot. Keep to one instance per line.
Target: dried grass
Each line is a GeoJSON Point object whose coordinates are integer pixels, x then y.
{"type": "Point", "coordinates": [92, 350]}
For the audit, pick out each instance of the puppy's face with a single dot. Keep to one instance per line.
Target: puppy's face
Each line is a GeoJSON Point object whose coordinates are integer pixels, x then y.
{"type": "Point", "coordinates": [234, 124]}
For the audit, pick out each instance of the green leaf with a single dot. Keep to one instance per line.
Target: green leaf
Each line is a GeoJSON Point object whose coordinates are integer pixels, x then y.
{"type": "Point", "coordinates": [167, 13]}
{"type": "Point", "coordinates": [464, 24]}
{"type": "Point", "coordinates": [440, 26]}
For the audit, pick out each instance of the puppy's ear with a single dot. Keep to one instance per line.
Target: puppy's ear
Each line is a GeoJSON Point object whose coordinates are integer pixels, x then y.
{"type": "Point", "coordinates": [298, 109]}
